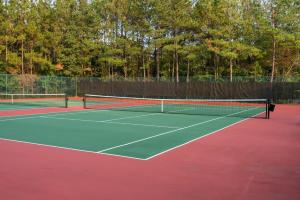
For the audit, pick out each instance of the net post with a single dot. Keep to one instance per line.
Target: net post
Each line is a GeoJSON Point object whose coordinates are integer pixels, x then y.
{"type": "Point", "coordinates": [268, 110]}
{"type": "Point", "coordinates": [162, 106]}
{"type": "Point", "coordinates": [6, 84]}
{"type": "Point", "coordinates": [84, 102]}
{"type": "Point", "coordinates": [12, 99]}
{"type": "Point", "coordinates": [66, 101]}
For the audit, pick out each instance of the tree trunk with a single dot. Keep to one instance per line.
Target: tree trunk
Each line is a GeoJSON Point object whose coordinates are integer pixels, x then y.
{"type": "Point", "coordinates": [274, 45]}
{"type": "Point", "coordinates": [188, 72]}
{"type": "Point", "coordinates": [273, 60]}
{"type": "Point", "coordinates": [31, 62]}
{"type": "Point", "coordinates": [177, 68]}
{"type": "Point", "coordinates": [231, 70]}
{"type": "Point", "coordinates": [108, 71]}
{"type": "Point", "coordinates": [157, 63]}
{"type": "Point", "coordinates": [125, 57]}
{"type": "Point", "coordinates": [176, 62]}
{"type": "Point", "coordinates": [6, 49]}
{"type": "Point", "coordinates": [143, 66]}
{"type": "Point", "coordinates": [148, 70]}
{"type": "Point", "coordinates": [125, 70]}
{"type": "Point", "coordinates": [173, 67]}
{"type": "Point", "coordinates": [22, 52]}
{"type": "Point", "coordinates": [216, 63]}
{"type": "Point", "coordinates": [169, 69]}
{"type": "Point", "coordinates": [31, 68]}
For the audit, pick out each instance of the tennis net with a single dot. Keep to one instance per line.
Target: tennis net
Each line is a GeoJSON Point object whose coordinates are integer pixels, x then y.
{"type": "Point", "coordinates": [215, 107]}
{"type": "Point", "coordinates": [35, 100]}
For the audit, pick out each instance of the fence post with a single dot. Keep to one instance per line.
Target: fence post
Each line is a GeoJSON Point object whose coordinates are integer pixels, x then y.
{"type": "Point", "coordinates": [76, 89]}
{"type": "Point", "coordinates": [6, 82]}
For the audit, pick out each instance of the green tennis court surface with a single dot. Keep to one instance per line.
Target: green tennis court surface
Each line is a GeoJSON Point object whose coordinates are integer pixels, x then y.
{"type": "Point", "coordinates": [138, 135]}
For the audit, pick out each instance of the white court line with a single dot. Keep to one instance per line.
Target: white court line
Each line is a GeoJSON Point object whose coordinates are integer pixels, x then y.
{"type": "Point", "coordinates": [130, 117]}
{"type": "Point", "coordinates": [172, 131]}
{"type": "Point", "coordinates": [67, 112]}
{"type": "Point", "coordinates": [68, 148]}
{"type": "Point", "coordinates": [116, 155]}
{"type": "Point", "coordinates": [190, 141]}
{"type": "Point", "coordinates": [108, 122]}
{"type": "Point", "coordinates": [37, 115]}
{"type": "Point", "coordinates": [76, 112]}
{"type": "Point", "coordinates": [146, 125]}
{"type": "Point", "coordinates": [17, 108]}
{"type": "Point", "coordinates": [19, 118]}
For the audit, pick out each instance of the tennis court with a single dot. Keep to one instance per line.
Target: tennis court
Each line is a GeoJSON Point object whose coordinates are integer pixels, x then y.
{"type": "Point", "coordinates": [130, 127]}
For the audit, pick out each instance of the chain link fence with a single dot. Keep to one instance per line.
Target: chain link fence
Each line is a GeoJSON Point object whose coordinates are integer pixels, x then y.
{"type": "Point", "coordinates": [33, 84]}
{"type": "Point", "coordinates": [282, 90]}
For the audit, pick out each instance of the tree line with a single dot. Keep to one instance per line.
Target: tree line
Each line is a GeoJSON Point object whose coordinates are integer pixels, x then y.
{"type": "Point", "coordinates": [166, 39]}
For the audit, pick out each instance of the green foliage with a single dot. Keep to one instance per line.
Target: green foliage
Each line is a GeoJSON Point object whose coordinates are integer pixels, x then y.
{"type": "Point", "coordinates": [150, 38]}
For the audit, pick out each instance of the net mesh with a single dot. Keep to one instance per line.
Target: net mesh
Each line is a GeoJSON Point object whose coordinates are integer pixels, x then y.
{"type": "Point", "coordinates": [34, 100]}
{"type": "Point", "coordinates": [214, 107]}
